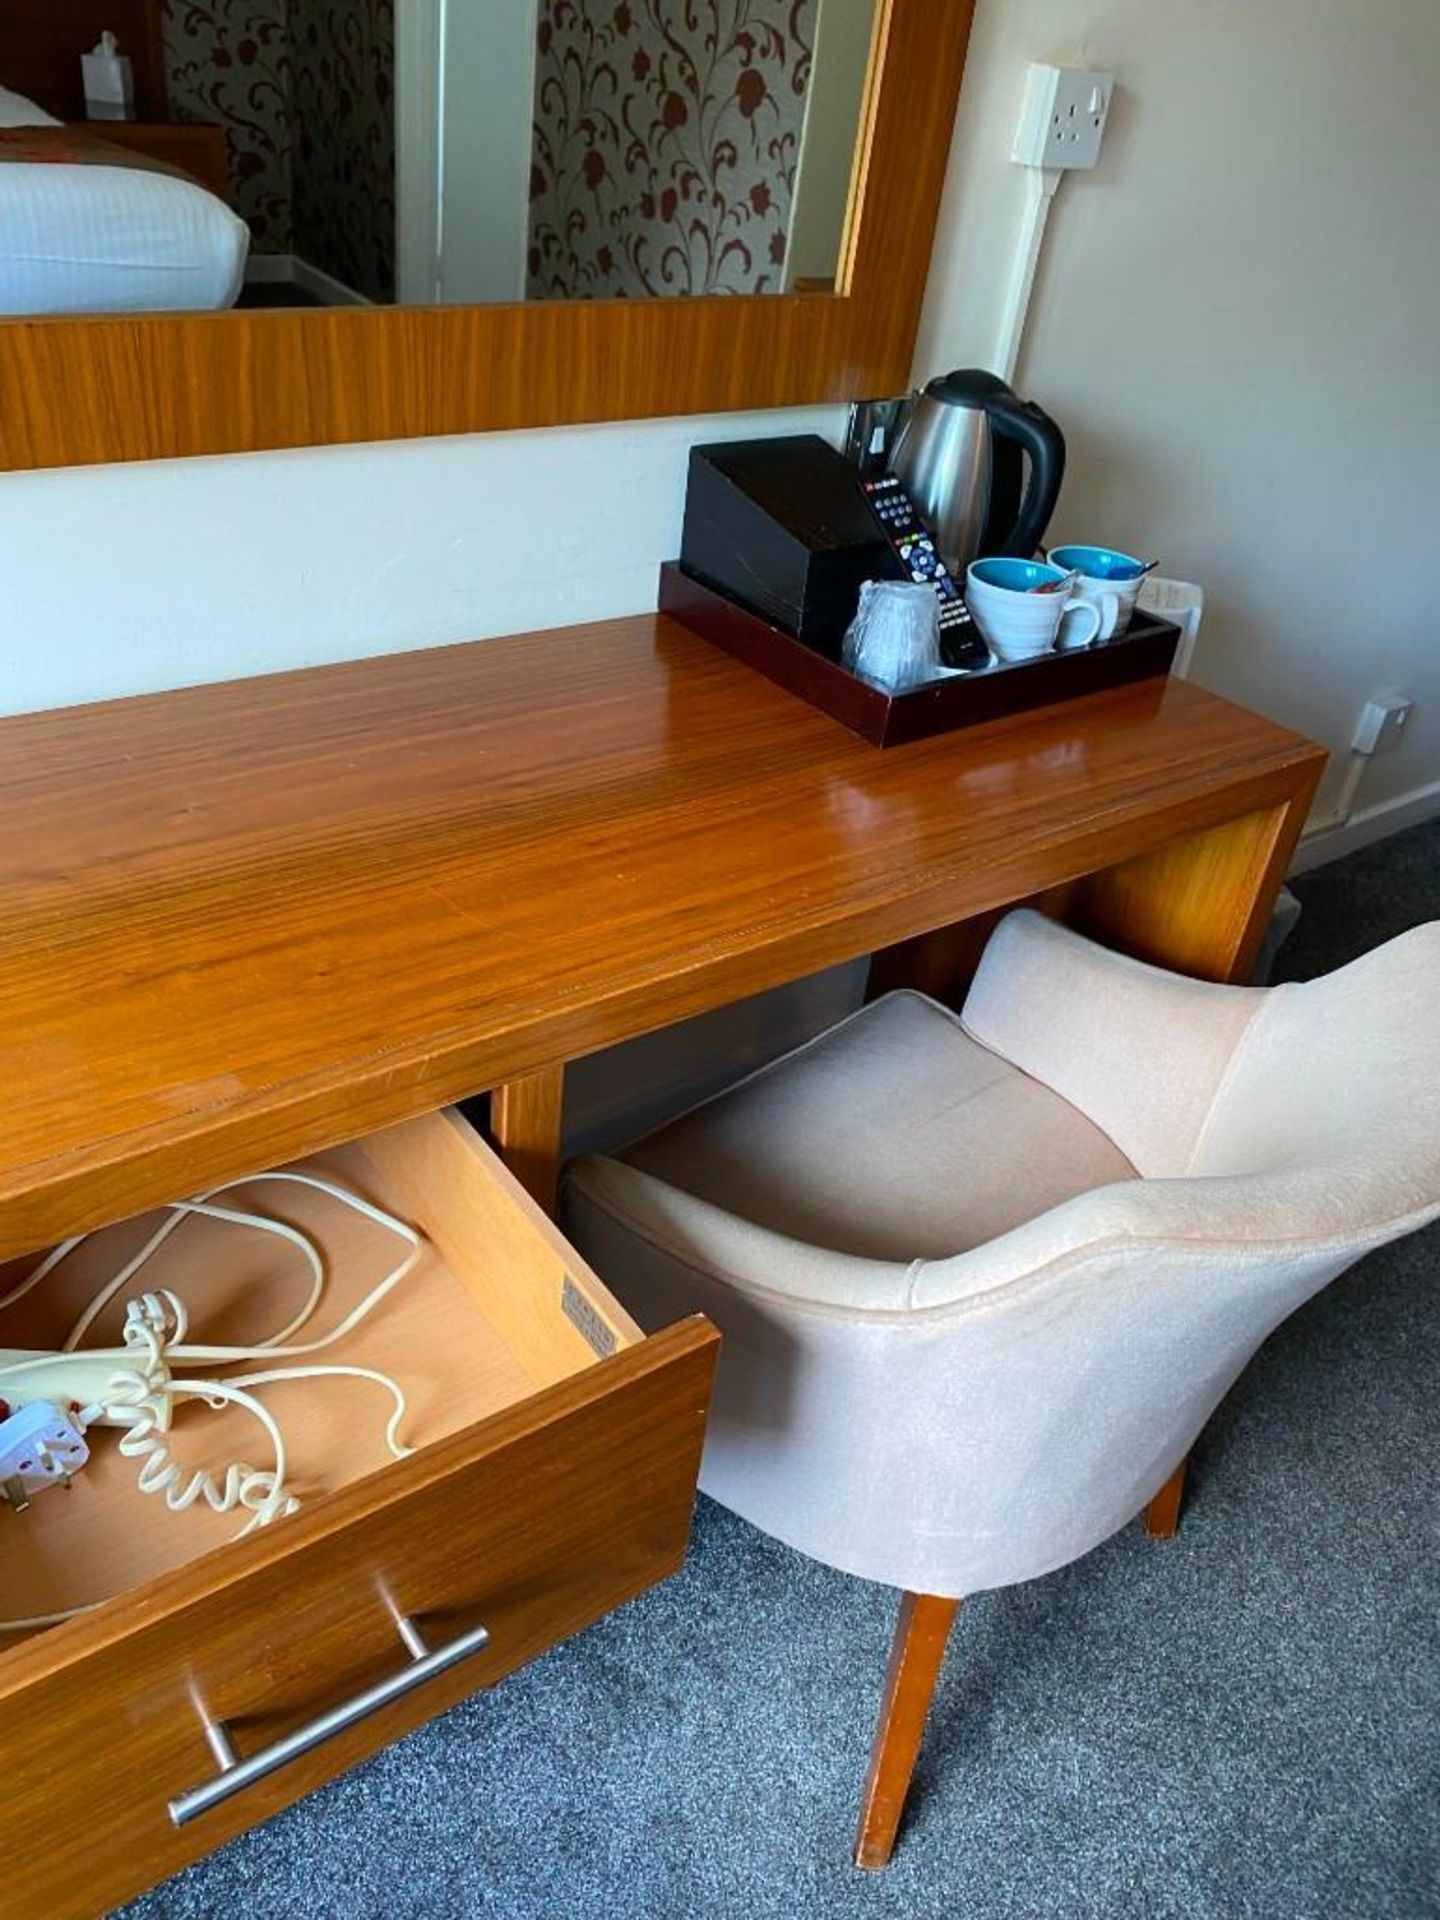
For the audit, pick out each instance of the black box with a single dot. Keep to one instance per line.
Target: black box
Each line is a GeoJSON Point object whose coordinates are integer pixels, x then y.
{"type": "Point", "coordinates": [782, 526]}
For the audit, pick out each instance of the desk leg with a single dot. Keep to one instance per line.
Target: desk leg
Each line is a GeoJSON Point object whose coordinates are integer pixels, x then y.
{"type": "Point", "coordinates": [1200, 905]}
{"type": "Point", "coordinates": [525, 1125]}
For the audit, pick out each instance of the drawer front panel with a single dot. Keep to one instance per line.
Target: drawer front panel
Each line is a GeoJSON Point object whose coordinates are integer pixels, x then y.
{"type": "Point", "coordinates": [534, 1523]}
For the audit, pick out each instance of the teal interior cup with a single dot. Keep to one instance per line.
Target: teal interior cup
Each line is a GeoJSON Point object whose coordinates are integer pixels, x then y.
{"type": "Point", "coordinates": [1015, 576]}
{"type": "Point", "coordinates": [1098, 563]}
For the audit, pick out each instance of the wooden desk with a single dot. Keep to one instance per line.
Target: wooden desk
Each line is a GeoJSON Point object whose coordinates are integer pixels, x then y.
{"type": "Point", "coordinates": [252, 921]}
{"type": "Point", "coordinates": [248, 921]}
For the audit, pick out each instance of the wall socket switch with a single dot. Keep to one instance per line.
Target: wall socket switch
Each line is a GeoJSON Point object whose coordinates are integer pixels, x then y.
{"type": "Point", "coordinates": [1062, 120]}
{"type": "Point", "coordinates": [1383, 722]}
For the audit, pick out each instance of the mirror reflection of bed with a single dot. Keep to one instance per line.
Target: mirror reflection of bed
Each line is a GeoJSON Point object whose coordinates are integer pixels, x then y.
{"type": "Point", "coordinates": [359, 152]}
{"type": "Point", "coordinates": [101, 218]}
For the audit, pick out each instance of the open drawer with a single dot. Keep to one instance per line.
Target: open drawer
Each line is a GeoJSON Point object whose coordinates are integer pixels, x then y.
{"type": "Point", "coordinates": [557, 1450]}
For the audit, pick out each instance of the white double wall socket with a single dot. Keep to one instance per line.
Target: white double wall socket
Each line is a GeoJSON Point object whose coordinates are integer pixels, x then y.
{"type": "Point", "coordinates": [1062, 120]}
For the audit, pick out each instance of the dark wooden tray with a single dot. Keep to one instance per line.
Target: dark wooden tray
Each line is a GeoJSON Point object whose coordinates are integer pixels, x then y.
{"type": "Point", "coordinates": [889, 720]}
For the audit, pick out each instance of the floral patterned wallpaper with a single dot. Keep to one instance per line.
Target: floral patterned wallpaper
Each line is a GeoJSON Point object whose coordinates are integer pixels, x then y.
{"type": "Point", "coordinates": [304, 89]}
{"type": "Point", "coordinates": [666, 137]}
{"type": "Point", "coordinates": [229, 61]}
{"type": "Point", "coordinates": [343, 173]}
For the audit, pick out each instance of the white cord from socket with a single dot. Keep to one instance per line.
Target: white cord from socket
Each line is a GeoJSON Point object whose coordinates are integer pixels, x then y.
{"type": "Point", "coordinates": [142, 1391]}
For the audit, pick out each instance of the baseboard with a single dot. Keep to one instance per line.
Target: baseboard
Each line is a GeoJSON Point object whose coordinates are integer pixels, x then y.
{"type": "Point", "coordinates": [288, 269]}
{"type": "Point", "coordinates": [325, 286]}
{"type": "Point", "coordinates": [1332, 840]}
{"type": "Point", "coordinates": [267, 268]}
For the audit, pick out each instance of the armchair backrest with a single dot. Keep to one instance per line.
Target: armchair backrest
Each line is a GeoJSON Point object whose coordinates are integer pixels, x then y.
{"type": "Point", "coordinates": [1140, 1051]}
{"type": "Point", "coordinates": [1327, 1091]}
{"type": "Point", "coordinates": [1097, 1339]}
{"type": "Point", "coordinates": [1334, 1092]}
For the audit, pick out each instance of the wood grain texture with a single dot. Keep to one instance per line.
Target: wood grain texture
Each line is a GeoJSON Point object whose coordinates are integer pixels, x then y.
{"type": "Point", "coordinates": [916, 1655]}
{"type": "Point", "coordinates": [485, 1223]}
{"type": "Point", "coordinates": [200, 151]}
{"type": "Point", "coordinates": [536, 1522]}
{"type": "Point", "coordinates": [525, 1119]}
{"type": "Point", "coordinates": [1201, 905]}
{"type": "Point", "coordinates": [245, 922]}
{"type": "Point", "coordinates": [124, 387]}
{"type": "Point", "coordinates": [41, 42]}
{"type": "Point", "coordinates": [475, 1328]}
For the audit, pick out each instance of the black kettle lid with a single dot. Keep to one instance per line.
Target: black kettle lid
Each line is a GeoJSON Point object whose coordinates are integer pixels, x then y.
{"type": "Point", "coordinates": [968, 386]}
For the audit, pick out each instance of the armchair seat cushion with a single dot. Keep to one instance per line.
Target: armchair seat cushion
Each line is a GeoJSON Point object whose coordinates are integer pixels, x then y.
{"type": "Point", "coordinates": [895, 1136]}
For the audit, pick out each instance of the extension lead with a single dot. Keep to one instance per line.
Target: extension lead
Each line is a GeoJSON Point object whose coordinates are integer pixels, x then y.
{"type": "Point", "coordinates": [133, 1386]}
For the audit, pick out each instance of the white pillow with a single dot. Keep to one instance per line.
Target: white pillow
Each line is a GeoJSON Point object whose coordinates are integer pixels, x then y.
{"type": "Point", "coordinates": [17, 111]}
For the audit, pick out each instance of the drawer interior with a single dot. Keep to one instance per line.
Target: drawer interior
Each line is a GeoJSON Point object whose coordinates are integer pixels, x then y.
{"type": "Point", "coordinates": [497, 1307]}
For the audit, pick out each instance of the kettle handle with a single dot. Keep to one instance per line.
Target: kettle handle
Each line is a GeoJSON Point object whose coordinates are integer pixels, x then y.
{"type": "Point", "coordinates": [1022, 421]}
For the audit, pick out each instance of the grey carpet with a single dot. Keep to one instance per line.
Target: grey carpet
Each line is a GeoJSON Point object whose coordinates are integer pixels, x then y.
{"type": "Point", "coordinates": [1242, 1722]}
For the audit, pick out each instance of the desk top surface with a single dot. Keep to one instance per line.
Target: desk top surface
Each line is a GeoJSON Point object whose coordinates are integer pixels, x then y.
{"type": "Point", "coordinates": [248, 920]}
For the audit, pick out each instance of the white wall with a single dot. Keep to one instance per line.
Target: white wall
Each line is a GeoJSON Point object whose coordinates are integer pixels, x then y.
{"type": "Point", "coordinates": [118, 580]}
{"type": "Point", "coordinates": [1235, 324]}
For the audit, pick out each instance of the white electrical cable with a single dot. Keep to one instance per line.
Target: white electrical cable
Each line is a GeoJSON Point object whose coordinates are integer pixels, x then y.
{"type": "Point", "coordinates": [143, 1389]}
{"type": "Point", "coordinates": [1043, 183]}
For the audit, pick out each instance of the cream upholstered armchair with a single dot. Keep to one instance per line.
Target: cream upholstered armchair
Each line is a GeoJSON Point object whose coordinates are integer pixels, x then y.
{"type": "Point", "coordinates": [982, 1280]}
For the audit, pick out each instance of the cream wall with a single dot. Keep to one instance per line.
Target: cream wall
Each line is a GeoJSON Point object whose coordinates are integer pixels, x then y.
{"type": "Point", "coordinates": [117, 580]}
{"type": "Point", "coordinates": [1234, 322]}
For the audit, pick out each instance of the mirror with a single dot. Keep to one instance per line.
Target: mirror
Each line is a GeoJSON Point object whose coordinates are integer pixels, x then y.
{"type": "Point", "coordinates": [82, 388]}
{"type": "Point", "coordinates": [301, 153]}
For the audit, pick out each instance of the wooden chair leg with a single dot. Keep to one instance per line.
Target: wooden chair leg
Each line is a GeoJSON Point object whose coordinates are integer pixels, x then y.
{"type": "Point", "coordinates": [915, 1656]}
{"type": "Point", "coordinates": [1162, 1516]}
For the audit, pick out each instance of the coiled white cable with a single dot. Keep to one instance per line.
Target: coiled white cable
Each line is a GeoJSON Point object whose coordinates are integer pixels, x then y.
{"type": "Point", "coordinates": [156, 1325]}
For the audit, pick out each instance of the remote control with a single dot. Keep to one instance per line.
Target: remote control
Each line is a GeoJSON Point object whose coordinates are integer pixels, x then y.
{"type": "Point", "coordinates": [914, 544]}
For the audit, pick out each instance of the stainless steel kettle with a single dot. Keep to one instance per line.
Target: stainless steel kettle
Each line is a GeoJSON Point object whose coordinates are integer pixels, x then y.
{"type": "Point", "coordinates": [959, 453]}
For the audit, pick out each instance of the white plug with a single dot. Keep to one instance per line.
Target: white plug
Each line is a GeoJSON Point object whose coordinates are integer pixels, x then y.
{"type": "Point", "coordinates": [1062, 120]}
{"type": "Point", "coordinates": [39, 1447]}
{"type": "Point", "coordinates": [1383, 722]}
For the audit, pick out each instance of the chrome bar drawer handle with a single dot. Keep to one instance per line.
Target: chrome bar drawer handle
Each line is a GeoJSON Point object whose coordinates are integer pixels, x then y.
{"type": "Point", "coordinates": [237, 1774]}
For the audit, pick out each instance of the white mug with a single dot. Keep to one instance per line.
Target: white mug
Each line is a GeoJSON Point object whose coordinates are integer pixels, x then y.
{"type": "Point", "coordinates": [1018, 623]}
{"type": "Point", "coordinates": [1111, 580]}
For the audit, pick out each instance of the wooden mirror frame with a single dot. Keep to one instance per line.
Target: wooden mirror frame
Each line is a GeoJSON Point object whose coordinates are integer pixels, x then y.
{"type": "Point", "coordinates": [74, 392]}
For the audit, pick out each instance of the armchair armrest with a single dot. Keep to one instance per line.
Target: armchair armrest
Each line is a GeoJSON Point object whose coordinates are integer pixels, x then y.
{"type": "Point", "coordinates": [1140, 1051]}
{"type": "Point", "coordinates": [611, 1209]}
